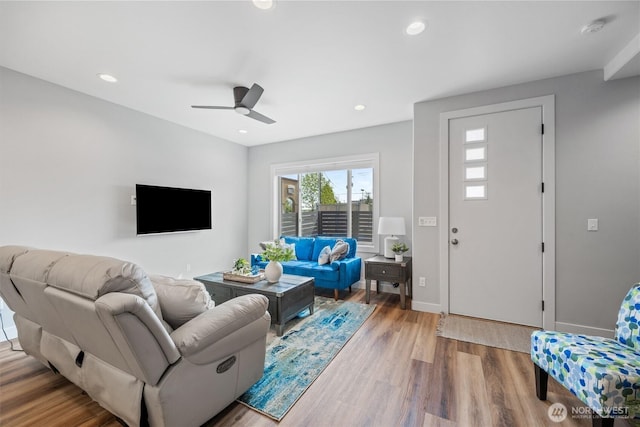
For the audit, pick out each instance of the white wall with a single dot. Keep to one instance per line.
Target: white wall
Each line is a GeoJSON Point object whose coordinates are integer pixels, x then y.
{"type": "Point", "coordinates": [69, 163]}
{"type": "Point", "coordinates": [393, 142]}
{"type": "Point", "coordinates": [597, 176]}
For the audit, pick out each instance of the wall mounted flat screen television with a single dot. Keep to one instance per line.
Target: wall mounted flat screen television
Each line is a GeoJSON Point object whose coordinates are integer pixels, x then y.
{"type": "Point", "coordinates": [169, 209]}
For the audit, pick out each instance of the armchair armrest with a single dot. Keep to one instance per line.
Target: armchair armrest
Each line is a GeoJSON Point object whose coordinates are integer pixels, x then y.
{"type": "Point", "coordinates": [223, 330]}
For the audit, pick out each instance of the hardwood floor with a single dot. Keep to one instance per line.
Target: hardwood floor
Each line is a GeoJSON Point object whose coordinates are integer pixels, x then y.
{"type": "Point", "coordinates": [393, 372]}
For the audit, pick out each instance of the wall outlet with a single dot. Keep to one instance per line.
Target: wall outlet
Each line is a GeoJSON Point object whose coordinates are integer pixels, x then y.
{"type": "Point", "coordinates": [133, 200]}
{"type": "Point", "coordinates": [422, 282]}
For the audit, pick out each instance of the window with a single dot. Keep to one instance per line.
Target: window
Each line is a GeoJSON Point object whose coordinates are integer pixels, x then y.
{"type": "Point", "coordinates": [474, 135]}
{"type": "Point", "coordinates": [475, 154]}
{"type": "Point", "coordinates": [330, 197]}
{"type": "Point", "coordinates": [475, 192]}
{"type": "Point", "coordinates": [476, 164]}
{"type": "Point", "coordinates": [472, 173]}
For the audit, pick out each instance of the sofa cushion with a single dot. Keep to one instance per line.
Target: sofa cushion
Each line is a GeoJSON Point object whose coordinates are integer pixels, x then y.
{"type": "Point", "coordinates": [331, 241]}
{"type": "Point", "coordinates": [326, 272]}
{"type": "Point", "coordinates": [353, 247]}
{"type": "Point", "coordinates": [298, 264]}
{"type": "Point", "coordinates": [339, 250]}
{"type": "Point", "coordinates": [304, 246]}
{"type": "Point", "coordinates": [181, 299]}
{"type": "Point", "coordinates": [320, 243]}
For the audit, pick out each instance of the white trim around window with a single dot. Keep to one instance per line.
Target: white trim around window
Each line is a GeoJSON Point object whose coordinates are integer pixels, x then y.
{"type": "Point", "coordinates": [360, 161]}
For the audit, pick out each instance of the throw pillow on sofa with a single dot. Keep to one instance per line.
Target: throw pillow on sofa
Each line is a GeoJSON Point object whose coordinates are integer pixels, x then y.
{"type": "Point", "coordinates": [325, 255]}
{"type": "Point", "coordinates": [180, 299]}
{"type": "Point", "coordinates": [339, 251]}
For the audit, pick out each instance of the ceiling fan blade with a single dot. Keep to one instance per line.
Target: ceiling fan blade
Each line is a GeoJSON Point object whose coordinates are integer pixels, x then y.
{"type": "Point", "coordinates": [212, 107]}
{"type": "Point", "coordinates": [260, 117]}
{"type": "Point", "coordinates": [252, 97]}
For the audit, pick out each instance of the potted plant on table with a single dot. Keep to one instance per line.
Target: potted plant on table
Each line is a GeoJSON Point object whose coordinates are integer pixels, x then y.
{"type": "Point", "coordinates": [276, 253]}
{"type": "Point", "coordinates": [241, 266]}
{"type": "Point", "coordinates": [399, 249]}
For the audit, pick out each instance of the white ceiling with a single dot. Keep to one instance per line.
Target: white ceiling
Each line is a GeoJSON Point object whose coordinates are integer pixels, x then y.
{"type": "Point", "coordinates": [315, 59]}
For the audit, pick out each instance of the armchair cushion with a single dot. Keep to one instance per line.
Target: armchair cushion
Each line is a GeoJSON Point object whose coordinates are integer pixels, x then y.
{"type": "Point", "coordinates": [603, 373]}
{"type": "Point", "coordinates": [599, 371]}
{"type": "Point", "coordinates": [628, 324]}
{"type": "Point", "coordinates": [180, 299]}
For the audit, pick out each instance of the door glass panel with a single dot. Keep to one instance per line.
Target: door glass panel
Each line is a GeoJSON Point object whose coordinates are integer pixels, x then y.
{"type": "Point", "coordinates": [475, 172]}
{"type": "Point", "coordinates": [474, 135]}
{"type": "Point", "coordinates": [475, 192]}
{"type": "Point", "coordinates": [475, 153]}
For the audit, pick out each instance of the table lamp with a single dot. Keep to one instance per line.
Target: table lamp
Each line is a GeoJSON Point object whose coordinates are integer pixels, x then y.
{"type": "Point", "coordinates": [392, 227]}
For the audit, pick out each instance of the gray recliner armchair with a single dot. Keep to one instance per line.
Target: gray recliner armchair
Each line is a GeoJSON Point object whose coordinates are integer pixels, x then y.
{"type": "Point", "coordinates": [99, 322]}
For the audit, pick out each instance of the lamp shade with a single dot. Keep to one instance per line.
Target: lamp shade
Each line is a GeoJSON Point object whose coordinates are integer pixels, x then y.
{"type": "Point", "coordinates": [391, 225]}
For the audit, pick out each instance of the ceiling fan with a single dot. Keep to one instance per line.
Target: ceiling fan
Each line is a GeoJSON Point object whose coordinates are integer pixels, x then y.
{"type": "Point", "coordinates": [245, 99]}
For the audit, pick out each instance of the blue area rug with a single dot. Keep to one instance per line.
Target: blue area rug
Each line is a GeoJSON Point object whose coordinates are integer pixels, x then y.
{"type": "Point", "coordinates": [295, 360]}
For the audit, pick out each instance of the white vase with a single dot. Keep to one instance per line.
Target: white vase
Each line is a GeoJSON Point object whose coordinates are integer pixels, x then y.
{"type": "Point", "coordinates": [273, 271]}
{"type": "Point", "coordinates": [399, 257]}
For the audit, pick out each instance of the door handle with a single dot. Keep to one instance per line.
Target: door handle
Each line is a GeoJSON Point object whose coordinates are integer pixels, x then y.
{"type": "Point", "coordinates": [454, 241]}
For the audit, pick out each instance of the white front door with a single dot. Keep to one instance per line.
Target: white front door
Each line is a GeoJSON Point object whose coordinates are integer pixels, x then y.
{"type": "Point", "coordinates": [495, 216]}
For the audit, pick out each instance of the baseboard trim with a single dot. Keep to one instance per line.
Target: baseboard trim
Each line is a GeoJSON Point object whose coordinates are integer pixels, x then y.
{"type": "Point", "coordinates": [427, 307]}
{"type": "Point", "coordinates": [415, 305]}
{"type": "Point", "coordinates": [584, 330]}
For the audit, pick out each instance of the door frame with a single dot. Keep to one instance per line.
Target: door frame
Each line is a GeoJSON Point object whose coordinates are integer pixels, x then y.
{"type": "Point", "coordinates": [547, 103]}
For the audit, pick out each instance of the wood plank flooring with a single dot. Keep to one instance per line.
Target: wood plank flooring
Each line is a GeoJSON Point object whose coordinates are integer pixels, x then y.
{"type": "Point", "coordinates": [393, 372]}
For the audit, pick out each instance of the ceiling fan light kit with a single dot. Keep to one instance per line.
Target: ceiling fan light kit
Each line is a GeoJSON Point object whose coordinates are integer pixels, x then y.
{"type": "Point", "coordinates": [593, 27]}
{"type": "Point", "coordinates": [244, 101]}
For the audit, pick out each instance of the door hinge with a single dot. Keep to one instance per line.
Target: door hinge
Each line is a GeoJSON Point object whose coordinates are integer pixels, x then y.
{"type": "Point", "coordinates": [542, 305]}
{"type": "Point", "coordinates": [542, 128]}
{"type": "Point", "coordinates": [542, 246]}
{"type": "Point", "coordinates": [543, 187]}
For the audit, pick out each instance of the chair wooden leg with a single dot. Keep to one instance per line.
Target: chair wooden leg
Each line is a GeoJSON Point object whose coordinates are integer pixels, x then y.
{"type": "Point", "coordinates": [335, 294]}
{"type": "Point", "coordinates": [598, 421]}
{"type": "Point", "coordinates": [542, 378]}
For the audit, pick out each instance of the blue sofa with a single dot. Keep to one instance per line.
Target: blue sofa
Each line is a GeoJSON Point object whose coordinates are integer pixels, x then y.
{"type": "Point", "coordinates": [337, 275]}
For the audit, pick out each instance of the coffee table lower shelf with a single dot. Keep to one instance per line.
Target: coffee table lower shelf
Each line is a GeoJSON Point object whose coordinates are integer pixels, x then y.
{"type": "Point", "coordinates": [287, 297]}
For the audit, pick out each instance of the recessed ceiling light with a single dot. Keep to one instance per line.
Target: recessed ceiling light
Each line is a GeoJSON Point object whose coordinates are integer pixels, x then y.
{"type": "Point", "coordinates": [242, 131]}
{"type": "Point", "coordinates": [359, 107]}
{"type": "Point", "coordinates": [593, 27]}
{"type": "Point", "coordinates": [107, 78]}
{"type": "Point", "coordinates": [415, 28]}
{"type": "Point", "coordinates": [263, 4]}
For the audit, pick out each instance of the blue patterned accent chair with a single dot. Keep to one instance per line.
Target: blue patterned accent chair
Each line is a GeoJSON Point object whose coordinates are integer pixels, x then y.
{"type": "Point", "coordinates": [603, 373]}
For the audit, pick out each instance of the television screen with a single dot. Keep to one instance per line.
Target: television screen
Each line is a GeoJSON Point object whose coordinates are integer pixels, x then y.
{"type": "Point", "coordinates": [168, 209]}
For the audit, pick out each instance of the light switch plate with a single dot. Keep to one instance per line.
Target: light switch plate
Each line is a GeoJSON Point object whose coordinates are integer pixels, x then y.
{"type": "Point", "coordinates": [427, 221]}
{"type": "Point", "coordinates": [133, 200]}
{"type": "Point", "coordinates": [592, 224]}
